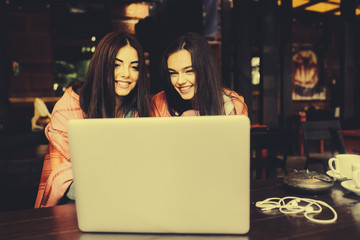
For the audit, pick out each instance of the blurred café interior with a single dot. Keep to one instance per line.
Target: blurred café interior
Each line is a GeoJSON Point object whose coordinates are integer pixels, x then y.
{"type": "Point", "coordinates": [294, 61]}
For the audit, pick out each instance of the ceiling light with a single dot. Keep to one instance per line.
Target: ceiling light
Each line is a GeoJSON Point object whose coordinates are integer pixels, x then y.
{"type": "Point", "coordinates": [137, 10]}
{"type": "Point", "coordinates": [298, 3]}
{"type": "Point", "coordinates": [322, 7]}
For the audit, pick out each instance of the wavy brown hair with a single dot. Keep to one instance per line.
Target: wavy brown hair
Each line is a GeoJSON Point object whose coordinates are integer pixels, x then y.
{"type": "Point", "coordinates": [208, 97]}
{"type": "Point", "coordinates": [97, 93]}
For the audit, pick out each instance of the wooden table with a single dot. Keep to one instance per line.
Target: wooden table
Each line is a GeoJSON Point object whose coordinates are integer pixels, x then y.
{"type": "Point", "coordinates": [60, 222]}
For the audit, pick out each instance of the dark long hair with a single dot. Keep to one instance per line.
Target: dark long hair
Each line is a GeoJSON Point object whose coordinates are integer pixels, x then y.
{"type": "Point", "coordinates": [208, 97]}
{"type": "Point", "coordinates": [97, 94]}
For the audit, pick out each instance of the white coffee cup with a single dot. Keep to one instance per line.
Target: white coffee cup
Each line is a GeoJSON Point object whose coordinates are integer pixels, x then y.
{"type": "Point", "coordinates": [356, 174]}
{"type": "Point", "coordinates": [342, 164]}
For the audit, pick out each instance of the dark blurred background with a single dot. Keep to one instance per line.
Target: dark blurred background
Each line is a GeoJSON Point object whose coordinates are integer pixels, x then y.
{"type": "Point", "coordinates": [46, 44]}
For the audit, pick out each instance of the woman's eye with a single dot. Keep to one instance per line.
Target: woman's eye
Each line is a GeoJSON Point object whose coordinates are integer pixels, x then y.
{"type": "Point", "coordinates": [136, 68]}
{"type": "Point", "coordinates": [117, 65]}
{"type": "Point", "coordinates": [172, 74]}
{"type": "Point", "coordinates": [189, 71]}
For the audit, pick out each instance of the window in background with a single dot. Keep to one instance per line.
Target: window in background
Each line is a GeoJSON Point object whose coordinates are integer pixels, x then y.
{"type": "Point", "coordinates": [255, 80]}
{"type": "Point", "coordinates": [255, 70]}
{"type": "Point", "coordinates": [67, 72]}
{"type": "Point", "coordinates": [77, 28]}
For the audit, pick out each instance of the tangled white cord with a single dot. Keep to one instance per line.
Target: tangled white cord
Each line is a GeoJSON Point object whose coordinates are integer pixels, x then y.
{"type": "Point", "coordinates": [289, 205]}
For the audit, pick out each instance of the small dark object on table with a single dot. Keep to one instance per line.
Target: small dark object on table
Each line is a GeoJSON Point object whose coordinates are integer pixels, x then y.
{"type": "Point", "coordinates": [308, 181]}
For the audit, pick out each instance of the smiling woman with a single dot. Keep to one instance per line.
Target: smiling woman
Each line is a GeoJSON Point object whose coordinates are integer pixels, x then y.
{"type": "Point", "coordinates": [126, 74]}
{"type": "Point", "coordinates": [115, 86]}
{"type": "Point", "coordinates": [192, 83]}
{"type": "Point", "coordinates": [182, 74]}
{"type": "Point", "coordinates": [116, 82]}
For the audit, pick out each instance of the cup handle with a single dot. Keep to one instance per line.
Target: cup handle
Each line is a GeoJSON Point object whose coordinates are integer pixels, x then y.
{"type": "Point", "coordinates": [356, 178]}
{"type": "Point", "coordinates": [331, 163]}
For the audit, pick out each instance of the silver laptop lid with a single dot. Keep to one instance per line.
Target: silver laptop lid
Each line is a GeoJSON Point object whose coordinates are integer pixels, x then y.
{"type": "Point", "coordinates": [163, 175]}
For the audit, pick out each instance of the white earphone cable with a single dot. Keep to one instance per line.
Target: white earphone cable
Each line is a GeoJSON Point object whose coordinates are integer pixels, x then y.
{"type": "Point", "coordinates": [293, 205]}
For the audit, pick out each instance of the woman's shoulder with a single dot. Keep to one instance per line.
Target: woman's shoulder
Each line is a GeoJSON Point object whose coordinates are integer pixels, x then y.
{"type": "Point", "coordinates": [159, 96]}
{"type": "Point", "coordinates": [159, 99]}
{"type": "Point", "coordinates": [68, 103]}
{"type": "Point", "coordinates": [232, 94]}
{"type": "Point", "coordinates": [69, 96]}
{"type": "Point", "coordinates": [159, 106]}
{"type": "Point", "coordinates": [239, 103]}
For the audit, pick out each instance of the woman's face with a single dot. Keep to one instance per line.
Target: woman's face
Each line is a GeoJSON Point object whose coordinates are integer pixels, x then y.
{"type": "Point", "coordinates": [182, 74]}
{"type": "Point", "coordinates": [126, 72]}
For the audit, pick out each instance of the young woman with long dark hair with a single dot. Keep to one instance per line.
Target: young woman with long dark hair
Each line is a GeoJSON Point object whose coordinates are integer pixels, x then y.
{"type": "Point", "coordinates": [192, 84]}
{"type": "Point", "coordinates": [116, 86]}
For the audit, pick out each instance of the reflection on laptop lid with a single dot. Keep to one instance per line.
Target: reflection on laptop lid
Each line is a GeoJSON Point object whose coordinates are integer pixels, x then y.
{"type": "Point", "coordinates": [162, 175]}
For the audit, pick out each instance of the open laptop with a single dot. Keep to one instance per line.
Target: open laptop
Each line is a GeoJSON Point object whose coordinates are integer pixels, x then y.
{"type": "Point", "coordinates": [162, 175]}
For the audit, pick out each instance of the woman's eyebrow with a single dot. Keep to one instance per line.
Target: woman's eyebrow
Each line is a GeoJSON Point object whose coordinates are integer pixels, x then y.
{"type": "Point", "coordinates": [187, 67]}
{"type": "Point", "coordinates": [123, 61]}
{"type": "Point", "coordinates": [184, 68]}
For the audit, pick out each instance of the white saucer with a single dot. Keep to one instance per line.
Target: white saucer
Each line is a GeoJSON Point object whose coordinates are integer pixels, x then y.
{"type": "Point", "coordinates": [337, 176]}
{"type": "Point", "coordinates": [349, 185]}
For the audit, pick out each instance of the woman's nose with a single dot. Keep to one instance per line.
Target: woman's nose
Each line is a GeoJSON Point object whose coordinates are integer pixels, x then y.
{"type": "Point", "coordinates": [124, 71]}
{"type": "Point", "coordinates": [182, 79]}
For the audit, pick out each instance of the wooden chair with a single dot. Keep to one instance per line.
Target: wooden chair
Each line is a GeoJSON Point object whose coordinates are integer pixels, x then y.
{"type": "Point", "coordinates": [315, 132]}
{"type": "Point", "coordinates": [338, 141]}
{"type": "Point", "coordinates": [269, 150]}
{"type": "Point", "coordinates": [351, 138]}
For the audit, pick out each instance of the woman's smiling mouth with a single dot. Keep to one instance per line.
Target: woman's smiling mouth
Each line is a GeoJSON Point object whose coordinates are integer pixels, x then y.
{"type": "Point", "coordinates": [185, 89]}
{"type": "Point", "coordinates": [123, 84]}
